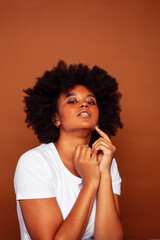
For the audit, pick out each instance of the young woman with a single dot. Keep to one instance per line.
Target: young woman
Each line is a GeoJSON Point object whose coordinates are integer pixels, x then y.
{"type": "Point", "coordinates": [69, 186]}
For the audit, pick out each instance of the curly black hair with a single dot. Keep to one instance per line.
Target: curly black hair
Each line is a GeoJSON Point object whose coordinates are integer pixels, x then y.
{"type": "Point", "coordinates": [41, 102]}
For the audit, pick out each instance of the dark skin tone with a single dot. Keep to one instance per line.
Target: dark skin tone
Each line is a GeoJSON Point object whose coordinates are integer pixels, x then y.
{"type": "Point", "coordinates": [77, 117]}
{"type": "Point", "coordinates": [75, 128]}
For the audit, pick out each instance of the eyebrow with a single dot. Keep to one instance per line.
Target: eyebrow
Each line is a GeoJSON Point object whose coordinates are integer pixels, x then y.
{"type": "Point", "coordinates": [75, 94]}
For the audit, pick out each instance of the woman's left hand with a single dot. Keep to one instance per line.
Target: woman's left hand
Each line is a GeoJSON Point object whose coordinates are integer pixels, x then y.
{"type": "Point", "coordinates": [105, 150]}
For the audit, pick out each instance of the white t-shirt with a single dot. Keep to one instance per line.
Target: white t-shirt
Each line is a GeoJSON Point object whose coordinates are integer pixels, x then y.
{"type": "Point", "coordinates": [40, 173]}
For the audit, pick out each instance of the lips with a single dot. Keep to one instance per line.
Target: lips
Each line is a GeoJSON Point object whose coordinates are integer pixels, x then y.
{"type": "Point", "coordinates": [84, 113]}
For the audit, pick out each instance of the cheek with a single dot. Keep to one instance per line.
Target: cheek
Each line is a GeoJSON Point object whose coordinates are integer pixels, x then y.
{"type": "Point", "coordinates": [96, 115]}
{"type": "Point", "coordinates": [65, 114]}
{"type": "Point", "coordinates": [62, 116]}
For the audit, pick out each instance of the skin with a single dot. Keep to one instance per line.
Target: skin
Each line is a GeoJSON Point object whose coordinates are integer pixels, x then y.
{"type": "Point", "coordinates": [91, 164]}
{"type": "Point", "coordinates": [108, 210]}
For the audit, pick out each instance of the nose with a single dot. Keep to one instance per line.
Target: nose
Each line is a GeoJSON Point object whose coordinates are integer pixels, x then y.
{"type": "Point", "coordinates": [83, 105]}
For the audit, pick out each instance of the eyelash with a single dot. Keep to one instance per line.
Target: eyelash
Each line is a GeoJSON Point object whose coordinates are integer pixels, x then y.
{"type": "Point", "coordinates": [91, 102]}
{"type": "Point", "coordinates": [71, 101]}
{"type": "Point", "coordinates": [75, 101]}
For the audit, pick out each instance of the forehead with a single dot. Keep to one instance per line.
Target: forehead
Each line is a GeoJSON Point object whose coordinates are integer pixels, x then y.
{"type": "Point", "coordinates": [77, 91]}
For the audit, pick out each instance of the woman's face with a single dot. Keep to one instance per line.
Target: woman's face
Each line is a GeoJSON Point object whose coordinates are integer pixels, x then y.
{"type": "Point", "coordinates": [77, 109]}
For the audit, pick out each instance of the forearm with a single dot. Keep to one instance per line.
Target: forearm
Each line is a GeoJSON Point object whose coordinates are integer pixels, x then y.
{"type": "Point", "coordinates": [107, 223]}
{"type": "Point", "coordinates": [75, 224]}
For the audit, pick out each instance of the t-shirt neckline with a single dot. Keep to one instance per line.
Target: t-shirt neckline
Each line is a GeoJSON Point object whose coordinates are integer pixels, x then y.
{"type": "Point", "coordinates": [78, 179]}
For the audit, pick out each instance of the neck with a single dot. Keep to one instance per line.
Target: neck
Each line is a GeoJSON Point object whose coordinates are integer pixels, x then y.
{"type": "Point", "coordinates": [67, 143]}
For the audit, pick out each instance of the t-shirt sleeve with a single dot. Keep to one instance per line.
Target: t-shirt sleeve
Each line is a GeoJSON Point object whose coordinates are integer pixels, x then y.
{"type": "Point", "coordinates": [33, 177]}
{"type": "Point", "coordinates": [116, 179]}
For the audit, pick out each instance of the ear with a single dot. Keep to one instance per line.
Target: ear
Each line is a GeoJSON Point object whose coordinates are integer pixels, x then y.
{"type": "Point", "coordinates": [56, 120]}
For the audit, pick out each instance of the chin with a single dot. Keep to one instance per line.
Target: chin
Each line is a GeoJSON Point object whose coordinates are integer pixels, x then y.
{"type": "Point", "coordinates": [81, 126]}
{"type": "Point", "coordinates": [87, 127]}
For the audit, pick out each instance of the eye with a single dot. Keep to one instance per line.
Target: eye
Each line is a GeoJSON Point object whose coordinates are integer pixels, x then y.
{"type": "Point", "coordinates": [91, 101]}
{"type": "Point", "coordinates": [72, 100]}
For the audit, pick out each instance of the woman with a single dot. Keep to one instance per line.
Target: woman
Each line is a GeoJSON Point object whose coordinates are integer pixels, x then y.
{"type": "Point", "coordinates": [69, 186]}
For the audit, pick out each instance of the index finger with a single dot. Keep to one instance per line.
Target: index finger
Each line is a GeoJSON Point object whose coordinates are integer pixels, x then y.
{"type": "Point", "coordinates": [78, 151]}
{"type": "Point", "coordinates": [103, 134]}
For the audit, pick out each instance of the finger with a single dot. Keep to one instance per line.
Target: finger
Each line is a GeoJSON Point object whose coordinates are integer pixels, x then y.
{"type": "Point", "coordinates": [94, 156]}
{"type": "Point", "coordinates": [104, 135]}
{"type": "Point", "coordinates": [105, 149]}
{"type": "Point", "coordinates": [88, 152]}
{"type": "Point", "coordinates": [76, 153]}
{"type": "Point", "coordinates": [82, 151]}
{"type": "Point", "coordinates": [99, 144]}
{"type": "Point", "coordinates": [105, 145]}
{"type": "Point", "coordinates": [99, 139]}
{"type": "Point", "coordinates": [104, 141]}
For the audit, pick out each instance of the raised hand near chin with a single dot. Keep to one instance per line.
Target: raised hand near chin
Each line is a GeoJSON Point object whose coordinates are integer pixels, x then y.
{"type": "Point", "coordinates": [86, 164]}
{"type": "Point", "coordinates": [105, 150]}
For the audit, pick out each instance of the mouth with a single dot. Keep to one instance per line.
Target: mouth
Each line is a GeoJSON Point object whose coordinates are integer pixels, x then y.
{"type": "Point", "coordinates": [84, 114]}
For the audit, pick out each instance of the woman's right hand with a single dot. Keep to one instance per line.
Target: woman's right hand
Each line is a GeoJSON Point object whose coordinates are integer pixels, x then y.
{"type": "Point", "coordinates": [86, 164]}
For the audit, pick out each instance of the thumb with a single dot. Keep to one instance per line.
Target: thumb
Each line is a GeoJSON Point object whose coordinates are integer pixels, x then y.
{"type": "Point", "coordinates": [94, 156]}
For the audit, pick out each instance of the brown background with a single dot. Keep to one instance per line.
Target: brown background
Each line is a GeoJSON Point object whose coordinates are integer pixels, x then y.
{"type": "Point", "coordinates": [121, 36]}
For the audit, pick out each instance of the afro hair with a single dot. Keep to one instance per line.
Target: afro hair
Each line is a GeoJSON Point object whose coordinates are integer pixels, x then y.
{"type": "Point", "coordinates": [41, 100]}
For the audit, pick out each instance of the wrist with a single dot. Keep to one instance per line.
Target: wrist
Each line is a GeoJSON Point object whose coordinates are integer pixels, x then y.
{"type": "Point", "coordinates": [106, 174]}
{"type": "Point", "coordinates": [91, 184]}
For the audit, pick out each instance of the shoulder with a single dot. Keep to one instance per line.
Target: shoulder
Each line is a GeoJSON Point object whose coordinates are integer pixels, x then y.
{"type": "Point", "coordinates": [33, 173]}
{"type": "Point", "coordinates": [36, 156]}
{"type": "Point", "coordinates": [34, 162]}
